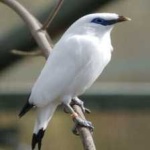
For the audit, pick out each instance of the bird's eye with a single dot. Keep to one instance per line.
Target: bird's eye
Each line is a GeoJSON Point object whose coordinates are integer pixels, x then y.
{"type": "Point", "coordinates": [97, 20]}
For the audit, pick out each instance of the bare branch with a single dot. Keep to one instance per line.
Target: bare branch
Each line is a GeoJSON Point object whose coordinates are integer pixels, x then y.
{"type": "Point", "coordinates": [41, 37]}
{"type": "Point", "coordinates": [43, 40]}
{"type": "Point", "coordinates": [23, 53]}
{"type": "Point", "coordinates": [52, 16]}
{"type": "Point", "coordinates": [85, 135]}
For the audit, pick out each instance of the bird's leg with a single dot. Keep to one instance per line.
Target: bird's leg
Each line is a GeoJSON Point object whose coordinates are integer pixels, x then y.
{"type": "Point", "coordinates": [65, 109]}
{"type": "Point", "coordinates": [78, 120]}
{"type": "Point", "coordinates": [77, 101]}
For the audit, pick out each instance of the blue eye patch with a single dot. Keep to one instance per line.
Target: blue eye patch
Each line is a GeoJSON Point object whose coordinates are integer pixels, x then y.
{"type": "Point", "coordinates": [103, 21]}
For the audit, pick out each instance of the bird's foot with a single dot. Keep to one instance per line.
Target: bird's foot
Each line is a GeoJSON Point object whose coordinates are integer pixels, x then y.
{"type": "Point", "coordinates": [66, 109]}
{"type": "Point", "coordinates": [37, 139]}
{"type": "Point", "coordinates": [79, 122]}
{"type": "Point", "coordinates": [77, 101]}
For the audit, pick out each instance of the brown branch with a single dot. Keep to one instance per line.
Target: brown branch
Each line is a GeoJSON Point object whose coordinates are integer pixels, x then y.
{"type": "Point", "coordinates": [43, 41]}
{"type": "Point", "coordinates": [85, 135]}
{"type": "Point", "coordinates": [52, 16]}
{"type": "Point", "coordinates": [23, 53]}
{"type": "Point", "coordinates": [41, 37]}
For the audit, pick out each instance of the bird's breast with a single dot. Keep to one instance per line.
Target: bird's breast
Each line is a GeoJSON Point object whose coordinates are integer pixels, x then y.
{"type": "Point", "coordinates": [92, 59]}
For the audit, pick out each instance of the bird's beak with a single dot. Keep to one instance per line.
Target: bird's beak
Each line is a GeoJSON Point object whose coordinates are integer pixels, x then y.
{"type": "Point", "coordinates": [122, 18]}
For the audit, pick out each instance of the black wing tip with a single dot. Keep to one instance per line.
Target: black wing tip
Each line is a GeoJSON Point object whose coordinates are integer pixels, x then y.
{"type": "Point", "coordinates": [20, 115]}
{"type": "Point", "coordinates": [25, 109]}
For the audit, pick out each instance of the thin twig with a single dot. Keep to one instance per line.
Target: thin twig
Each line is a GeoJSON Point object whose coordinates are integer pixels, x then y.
{"type": "Point", "coordinates": [53, 15]}
{"type": "Point", "coordinates": [23, 53]}
{"type": "Point", "coordinates": [43, 40]}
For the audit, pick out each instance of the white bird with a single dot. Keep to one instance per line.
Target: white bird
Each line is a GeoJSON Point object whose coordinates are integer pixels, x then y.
{"type": "Point", "coordinates": [76, 61]}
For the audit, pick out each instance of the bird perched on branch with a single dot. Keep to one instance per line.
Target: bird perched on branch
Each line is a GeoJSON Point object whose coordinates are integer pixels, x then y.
{"type": "Point", "coordinates": [75, 63]}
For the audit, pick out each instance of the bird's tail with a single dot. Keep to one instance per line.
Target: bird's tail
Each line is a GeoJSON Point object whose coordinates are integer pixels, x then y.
{"type": "Point", "coordinates": [43, 117]}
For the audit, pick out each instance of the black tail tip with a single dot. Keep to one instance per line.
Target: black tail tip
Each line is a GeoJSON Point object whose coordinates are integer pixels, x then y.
{"type": "Point", "coordinates": [37, 139]}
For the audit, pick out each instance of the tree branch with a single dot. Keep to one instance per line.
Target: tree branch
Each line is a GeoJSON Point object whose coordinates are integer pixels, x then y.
{"type": "Point", "coordinates": [85, 134]}
{"type": "Point", "coordinates": [52, 16]}
{"type": "Point", "coordinates": [43, 40]}
{"type": "Point", "coordinates": [23, 53]}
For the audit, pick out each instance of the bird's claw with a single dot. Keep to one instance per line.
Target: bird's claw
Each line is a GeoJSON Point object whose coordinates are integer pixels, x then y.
{"type": "Point", "coordinates": [77, 101]}
{"type": "Point", "coordinates": [66, 110]}
{"type": "Point", "coordinates": [88, 111]}
{"type": "Point", "coordinates": [79, 122]}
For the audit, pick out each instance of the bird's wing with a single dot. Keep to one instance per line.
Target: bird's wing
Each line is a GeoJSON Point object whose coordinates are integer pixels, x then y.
{"type": "Point", "coordinates": [60, 69]}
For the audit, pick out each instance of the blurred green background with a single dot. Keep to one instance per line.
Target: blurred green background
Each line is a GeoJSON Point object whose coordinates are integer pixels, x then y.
{"type": "Point", "coordinates": [119, 100]}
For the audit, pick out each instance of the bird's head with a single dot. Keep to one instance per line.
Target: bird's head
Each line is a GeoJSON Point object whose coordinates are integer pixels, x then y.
{"type": "Point", "coordinates": [106, 19]}
{"type": "Point", "coordinates": [98, 21]}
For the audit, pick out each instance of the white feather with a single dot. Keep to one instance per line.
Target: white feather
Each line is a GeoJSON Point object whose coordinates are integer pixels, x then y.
{"type": "Point", "coordinates": [75, 63]}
